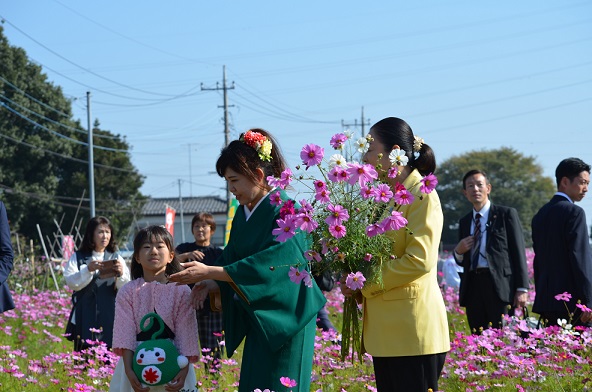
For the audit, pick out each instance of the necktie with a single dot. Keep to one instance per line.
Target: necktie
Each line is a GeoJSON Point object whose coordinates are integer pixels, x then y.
{"type": "Point", "coordinates": [476, 243]}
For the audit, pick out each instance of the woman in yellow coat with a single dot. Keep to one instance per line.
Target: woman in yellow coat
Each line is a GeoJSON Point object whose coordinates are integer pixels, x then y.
{"type": "Point", "coordinates": [405, 324]}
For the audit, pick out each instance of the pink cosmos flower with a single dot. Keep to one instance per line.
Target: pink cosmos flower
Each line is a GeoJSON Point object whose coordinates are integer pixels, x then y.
{"type": "Point", "coordinates": [393, 172]}
{"type": "Point", "coordinates": [338, 215]}
{"type": "Point", "coordinates": [374, 229]}
{"type": "Point", "coordinates": [287, 382]}
{"type": "Point", "coordinates": [366, 192]}
{"type": "Point", "coordinates": [306, 222]}
{"type": "Point", "coordinates": [286, 178]}
{"type": "Point", "coordinates": [337, 174]}
{"type": "Point", "coordinates": [275, 199]}
{"type": "Point", "coordinates": [295, 275]}
{"type": "Point", "coordinates": [368, 257]}
{"type": "Point", "coordinates": [584, 308]}
{"type": "Point", "coordinates": [338, 140]}
{"type": "Point", "coordinates": [382, 193]}
{"type": "Point", "coordinates": [323, 196]}
{"type": "Point", "coordinates": [404, 197]}
{"type": "Point", "coordinates": [311, 255]}
{"type": "Point", "coordinates": [305, 207]}
{"type": "Point", "coordinates": [285, 230]}
{"type": "Point", "coordinates": [319, 185]}
{"type": "Point", "coordinates": [428, 183]}
{"type": "Point", "coordinates": [393, 222]}
{"type": "Point", "coordinates": [287, 209]}
{"type": "Point", "coordinates": [355, 281]}
{"type": "Point", "coordinates": [312, 155]}
{"type": "Point", "coordinates": [337, 231]}
{"type": "Point", "coordinates": [361, 173]}
{"type": "Point", "coordinates": [307, 278]}
{"type": "Point", "coordinates": [565, 296]}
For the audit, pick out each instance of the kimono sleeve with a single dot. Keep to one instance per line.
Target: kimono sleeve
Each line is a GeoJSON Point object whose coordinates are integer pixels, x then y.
{"type": "Point", "coordinates": [278, 307]}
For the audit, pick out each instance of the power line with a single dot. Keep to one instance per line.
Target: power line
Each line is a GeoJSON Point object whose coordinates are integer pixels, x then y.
{"type": "Point", "coordinates": [4, 105]}
{"type": "Point", "coordinates": [83, 68]}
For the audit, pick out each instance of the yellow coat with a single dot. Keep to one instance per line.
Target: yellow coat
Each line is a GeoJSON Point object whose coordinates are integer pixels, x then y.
{"type": "Point", "coordinates": [406, 316]}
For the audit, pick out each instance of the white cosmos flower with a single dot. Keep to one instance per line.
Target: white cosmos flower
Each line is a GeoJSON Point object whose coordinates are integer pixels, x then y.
{"type": "Point", "coordinates": [398, 157]}
{"type": "Point", "coordinates": [349, 134]}
{"type": "Point", "coordinates": [338, 160]}
{"type": "Point", "coordinates": [362, 144]}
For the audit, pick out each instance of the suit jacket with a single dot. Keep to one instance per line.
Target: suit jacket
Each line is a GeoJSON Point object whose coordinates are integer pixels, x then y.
{"type": "Point", "coordinates": [6, 257]}
{"type": "Point", "coordinates": [504, 250]}
{"type": "Point", "coordinates": [563, 260]}
{"type": "Point", "coordinates": [406, 316]}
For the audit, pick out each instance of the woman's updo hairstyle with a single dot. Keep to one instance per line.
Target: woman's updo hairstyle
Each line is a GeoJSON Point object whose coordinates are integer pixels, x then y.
{"type": "Point", "coordinates": [394, 131]}
{"type": "Point", "coordinates": [245, 160]}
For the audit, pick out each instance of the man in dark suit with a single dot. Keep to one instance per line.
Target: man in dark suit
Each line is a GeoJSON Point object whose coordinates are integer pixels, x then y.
{"type": "Point", "coordinates": [563, 260]}
{"type": "Point", "coordinates": [491, 251]}
{"type": "Point", "coordinates": [6, 257]}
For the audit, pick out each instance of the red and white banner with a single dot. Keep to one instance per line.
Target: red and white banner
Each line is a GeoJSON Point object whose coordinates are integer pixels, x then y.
{"type": "Point", "coordinates": [170, 220]}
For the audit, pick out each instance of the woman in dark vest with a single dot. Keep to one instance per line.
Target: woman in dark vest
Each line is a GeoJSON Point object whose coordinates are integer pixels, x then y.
{"type": "Point", "coordinates": [95, 272]}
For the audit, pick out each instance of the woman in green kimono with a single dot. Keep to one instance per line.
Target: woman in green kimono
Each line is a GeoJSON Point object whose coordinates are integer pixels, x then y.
{"type": "Point", "coordinates": [275, 316]}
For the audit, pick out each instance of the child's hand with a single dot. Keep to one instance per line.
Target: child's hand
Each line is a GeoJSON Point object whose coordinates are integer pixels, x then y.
{"type": "Point", "coordinates": [135, 383]}
{"type": "Point", "coordinates": [179, 381]}
{"type": "Point", "coordinates": [200, 292]}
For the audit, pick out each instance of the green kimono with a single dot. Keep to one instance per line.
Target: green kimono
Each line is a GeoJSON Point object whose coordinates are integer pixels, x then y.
{"type": "Point", "coordinates": [276, 316]}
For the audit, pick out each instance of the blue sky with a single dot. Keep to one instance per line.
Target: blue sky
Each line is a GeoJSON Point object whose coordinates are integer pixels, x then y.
{"type": "Point", "coordinates": [465, 75]}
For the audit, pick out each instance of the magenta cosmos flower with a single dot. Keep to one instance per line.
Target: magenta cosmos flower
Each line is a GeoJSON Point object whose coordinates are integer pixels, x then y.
{"type": "Point", "coordinates": [403, 196]}
{"type": "Point", "coordinates": [323, 196]}
{"type": "Point", "coordinates": [338, 140]}
{"type": "Point", "coordinates": [428, 183]}
{"type": "Point", "coordinates": [288, 382]}
{"type": "Point", "coordinates": [337, 231]}
{"type": "Point", "coordinates": [337, 216]}
{"type": "Point", "coordinates": [296, 275]}
{"type": "Point", "coordinates": [374, 229]}
{"type": "Point", "coordinates": [312, 155]}
{"type": "Point", "coordinates": [285, 230]}
{"type": "Point", "coordinates": [361, 173]}
{"type": "Point", "coordinates": [565, 296]}
{"type": "Point", "coordinates": [394, 222]}
{"type": "Point", "coordinates": [382, 193]}
{"type": "Point", "coordinates": [275, 198]}
{"type": "Point", "coordinates": [306, 222]}
{"type": "Point", "coordinates": [355, 281]}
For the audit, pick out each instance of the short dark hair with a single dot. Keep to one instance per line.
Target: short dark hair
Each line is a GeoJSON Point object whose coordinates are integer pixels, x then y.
{"type": "Point", "coordinates": [570, 168]}
{"type": "Point", "coordinates": [88, 244]}
{"type": "Point", "coordinates": [149, 234]}
{"type": "Point", "coordinates": [204, 217]}
{"type": "Point", "coordinates": [471, 173]}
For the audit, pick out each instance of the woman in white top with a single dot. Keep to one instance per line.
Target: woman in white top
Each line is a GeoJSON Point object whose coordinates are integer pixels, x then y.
{"type": "Point", "coordinates": [95, 272]}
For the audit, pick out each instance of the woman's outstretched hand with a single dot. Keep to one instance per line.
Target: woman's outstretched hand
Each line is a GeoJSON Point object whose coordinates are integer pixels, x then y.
{"type": "Point", "coordinates": [194, 272]}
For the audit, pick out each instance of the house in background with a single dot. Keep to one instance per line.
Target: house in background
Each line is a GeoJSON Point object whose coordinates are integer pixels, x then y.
{"type": "Point", "coordinates": [153, 213]}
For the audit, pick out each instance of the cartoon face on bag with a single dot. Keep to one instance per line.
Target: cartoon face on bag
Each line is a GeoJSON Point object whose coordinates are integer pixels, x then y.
{"type": "Point", "coordinates": [146, 357]}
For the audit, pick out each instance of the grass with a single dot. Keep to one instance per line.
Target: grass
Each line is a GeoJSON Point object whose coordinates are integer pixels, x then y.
{"type": "Point", "coordinates": [34, 355]}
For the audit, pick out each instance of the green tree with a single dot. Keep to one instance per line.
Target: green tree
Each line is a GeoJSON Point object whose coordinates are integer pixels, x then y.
{"type": "Point", "coordinates": [517, 181]}
{"type": "Point", "coordinates": [44, 155]}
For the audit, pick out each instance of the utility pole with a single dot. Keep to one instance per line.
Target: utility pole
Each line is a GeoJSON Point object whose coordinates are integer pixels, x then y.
{"type": "Point", "coordinates": [363, 123]}
{"type": "Point", "coordinates": [224, 89]}
{"type": "Point", "coordinates": [91, 159]}
{"type": "Point", "coordinates": [190, 177]}
{"type": "Point", "coordinates": [181, 213]}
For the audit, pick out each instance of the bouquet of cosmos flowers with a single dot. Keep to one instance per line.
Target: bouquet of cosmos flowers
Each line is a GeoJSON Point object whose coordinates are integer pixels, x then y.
{"type": "Point", "coordinates": [349, 206]}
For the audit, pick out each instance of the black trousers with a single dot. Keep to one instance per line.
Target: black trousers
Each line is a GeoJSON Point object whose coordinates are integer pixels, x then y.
{"type": "Point", "coordinates": [408, 374]}
{"type": "Point", "coordinates": [483, 306]}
